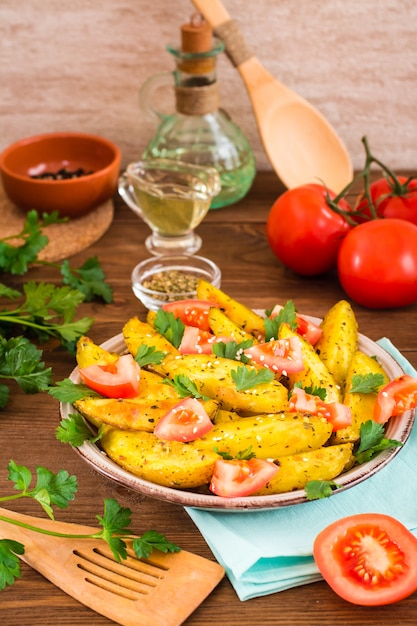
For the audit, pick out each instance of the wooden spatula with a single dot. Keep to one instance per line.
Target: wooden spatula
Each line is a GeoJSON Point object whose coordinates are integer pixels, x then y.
{"type": "Point", "coordinates": [162, 590]}
{"type": "Point", "coordinates": [301, 145]}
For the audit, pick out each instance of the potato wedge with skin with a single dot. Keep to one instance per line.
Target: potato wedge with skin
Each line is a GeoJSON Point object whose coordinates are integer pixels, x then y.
{"type": "Point", "coordinates": [361, 404]}
{"type": "Point", "coordinates": [213, 378]}
{"type": "Point", "coordinates": [226, 416]}
{"type": "Point", "coordinates": [137, 333]}
{"type": "Point", "coordinates": [168, 463]}
{"type": "Point", "coordinates": [88, 353]}
{"type": "Point", "coordinates": [245, 318]}
{"type": "Point", "coordinates": [297, 470]}
{"type": "Point", "coordinates": [222, 326]}
{"type": "Point", "coordinates": [339, 340]}
{"type": "Point", "coordinates": [268, 436]}
{"type": "Point", "coordinates": [315, 372]}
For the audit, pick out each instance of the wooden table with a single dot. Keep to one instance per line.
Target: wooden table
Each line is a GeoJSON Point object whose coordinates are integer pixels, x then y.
{"type": "Point", "coordinates": [234, 238]}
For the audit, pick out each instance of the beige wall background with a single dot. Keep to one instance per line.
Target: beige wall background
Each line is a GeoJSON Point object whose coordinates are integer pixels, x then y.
{"type": "Point", "coordinates": [79, 65]}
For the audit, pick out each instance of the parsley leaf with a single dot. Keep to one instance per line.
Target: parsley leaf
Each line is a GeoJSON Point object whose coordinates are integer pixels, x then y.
{"type": "Point", "coordinates": [171, 327]}
{"type": "Point", "coordinates": [152, 540]}
{"type": "Point", "coordinates": [147, 355]}
{"type": "Point", "coordinates": [246, 378]}
{"type": "Point", "coordinates": [372, 441]}
{"type": "Point", "coordinates": [317, 489]}
{"type": "Point", "coordinates": [88, 279]}
{"type": "Point", "coordinates": [367, 383]}
{"type": "Point", "coordinates": [287, 315]}
{"type": "Point", "coordinates": [242, 455]}
{"type": "Point", "coordinates": [232, 350]}
{"type": "Point", "coordinates": [74, 430]}
{"type": "Point", "coordinates": [68, 391]}
{"type": "Point", "coordinates": [9, 561]}
{"type": "Point", "coordinates": [313, 391]}
{"type": "Point", "coordinates": [185, 387]}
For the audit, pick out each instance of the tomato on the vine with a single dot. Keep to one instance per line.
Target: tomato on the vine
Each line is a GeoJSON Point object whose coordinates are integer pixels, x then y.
{"type": "Point", "coordinates": [369, 559]}
{"type": "Point", "coordinates": [377, 263]}
{"type": "Point", "coordinates": [392, 197]}
{"type": "Point", "coordinates": [304, 232]}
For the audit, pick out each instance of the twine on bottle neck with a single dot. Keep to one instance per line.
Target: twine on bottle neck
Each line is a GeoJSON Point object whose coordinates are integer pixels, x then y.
{"type": "Point", "coordinates": [197, 100]}
{"type": "Point", "coordinates": [235, 46]}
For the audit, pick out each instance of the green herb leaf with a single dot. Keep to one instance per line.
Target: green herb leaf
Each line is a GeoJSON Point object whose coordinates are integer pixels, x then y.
{"type": "Point", "coordinates": [287, 315]}
{"type": "Point", "coordinates": [317, 489]}
{"type": "Point", "coordinates": [232, 350]}
{"type": "Point", "coordinates": [372, 441]}
{"type": "Point", "coordinates": [246, 378]}
{"type": "Point", "coordinates": [21, 361]}
{"type": "Point", "coordinates": [152, 540]}
{"type": "Point", "coordinates": [169, 326]}
{"type": "Point", "coordinates": [68, 391]}
{"type": "Point", "coordinates": [9, 561]}
{"type": "Point", "coordinates": [89, 279]}
{"type": "Point", "coordinates": [242, 455]}
{"type": "Point", "coordinates": [367, 383]}
{"type": "Point", "coordinates": [185, 387]}
{"type": "Point", "coordinates": [314, 391]}
{"type": "Point", "coordinates": [74, 430]}
{"type": "Point", "coordinates": [147, 355]}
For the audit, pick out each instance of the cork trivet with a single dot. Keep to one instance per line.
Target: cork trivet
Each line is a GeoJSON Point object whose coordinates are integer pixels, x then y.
{"type": "Point", "coordinates": [65, 239]}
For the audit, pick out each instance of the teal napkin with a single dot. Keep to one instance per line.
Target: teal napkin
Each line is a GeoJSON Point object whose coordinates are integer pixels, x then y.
{"type": "Point", "coordinates": [264, 552]}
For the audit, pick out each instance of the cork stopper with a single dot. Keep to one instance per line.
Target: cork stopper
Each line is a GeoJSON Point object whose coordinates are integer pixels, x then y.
{"type": "Point", "coordinates": [196, 35]}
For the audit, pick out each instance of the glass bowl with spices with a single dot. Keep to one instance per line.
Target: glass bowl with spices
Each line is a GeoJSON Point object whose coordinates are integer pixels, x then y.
{"type": "Point", "coordinates": [158, 280]}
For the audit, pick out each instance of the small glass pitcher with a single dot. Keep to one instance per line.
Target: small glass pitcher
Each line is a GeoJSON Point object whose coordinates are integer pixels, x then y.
{"type": "Point", "coordinates": [172, 197]}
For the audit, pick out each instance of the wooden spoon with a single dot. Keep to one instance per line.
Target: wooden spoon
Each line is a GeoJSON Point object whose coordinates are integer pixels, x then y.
{"type": "Point", "coordinates": [301, 145]}
{"type": "Point", "coordinates": [162, 590]}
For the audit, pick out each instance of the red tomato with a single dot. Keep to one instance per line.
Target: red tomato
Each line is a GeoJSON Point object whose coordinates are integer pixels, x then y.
{"type": "Point", "coordinates": [305, 327]}
{"type": "Point", "coordinates": [191, 312]}
{"type": "Point", "coordinates": [339, 415]}
{"type": "Point", "coordinates": [395, 397]}
{"type": "Point", "coordinates": [117, 380]}
{"type": "Point", "coordinates": [236, 478]}
{"type": "Point", "coordinates": [368, 559]}
{"type": "Point", "coordinates": [197, 341]}
{"type": "Point", "coordinates": [391, 199]}
{"type": "Point", "coordinates": [304, 232]}
{"type": "Point", "coordinates": [280, 355]}
{"type": "Point", "coordinates": [186, 421]}
{"type": "Point", "coordinates": [377, 263]}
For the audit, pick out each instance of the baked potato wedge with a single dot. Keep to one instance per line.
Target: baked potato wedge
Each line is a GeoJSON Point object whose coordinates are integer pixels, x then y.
{"type": "Point", "coordinates": [339, 340]}
{"type": "Point", "coordinates": [168, 463]}
{"type": "Point", "coordinates": [222, 326]}
{"type": "Point", "coordinates": [88, 353]}
{"type": "Point", "coordinates": [137, 333]}
{"type": "Point", "coordinates": [297, 470]}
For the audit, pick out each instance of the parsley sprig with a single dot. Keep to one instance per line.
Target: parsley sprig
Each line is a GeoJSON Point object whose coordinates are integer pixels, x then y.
{"type": "Point", "coordinates": [287, 315]}
{"type": "Point", "coordinates": [170, 326]}
{"type": "Point", "coordinates": [185, 387]}
{"type": "Point", "coordinates": [247, 378]}
{"type": "Point", "coordinates": [59, 489]}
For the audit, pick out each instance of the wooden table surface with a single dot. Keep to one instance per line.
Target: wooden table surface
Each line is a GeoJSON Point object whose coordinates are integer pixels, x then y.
{"type": "Point", "coordinates": [234, 238]}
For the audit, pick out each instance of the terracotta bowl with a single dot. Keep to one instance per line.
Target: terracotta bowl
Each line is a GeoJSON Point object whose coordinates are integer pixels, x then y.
{"type": "Point", "coordinates": [97, 158]}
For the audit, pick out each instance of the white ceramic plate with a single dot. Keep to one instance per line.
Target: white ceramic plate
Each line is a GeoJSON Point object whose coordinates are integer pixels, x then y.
{"type": "Point", "coordinates": [398, 428]}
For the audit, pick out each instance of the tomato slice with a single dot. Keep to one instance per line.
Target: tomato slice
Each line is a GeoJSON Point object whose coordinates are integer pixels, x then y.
{"type": "Point", "coordinates": [186, 421]}
{"type": "Point", "coordinates": [116, 380]}
{"type": "Point", "coordinates": [305, 327]}
{"type": "Point", "coordinates": [395, 397]}
{"type": "Point", "coordinates": [236, 478]}
{"type": "Point", "coordinates": [197, 341]}
{"type": "Point", "coordinates": [338, 414]}
{"type": "Point", "coordinates": [283, 356]}
{"type": "Point", "coordinates": [191, 312]}
{"type": "Point", "coordinates": [368, 559]}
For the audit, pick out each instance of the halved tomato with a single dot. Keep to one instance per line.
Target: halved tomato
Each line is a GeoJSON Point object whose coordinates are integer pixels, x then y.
{"type": "Point", "coordinates": [395, 397]}
{"type": "Point", "coordinates": [236, 478]}
{"type": "Point", "coordinates": [197, 341]}
{"type": "Point", "coordinates": [186, 421]}
{"type": "Point", "coordinates": [339, 415]}
{"type": "Point", "coordinates": [283, 356]}
{"type": "Point", "coordinates": [305, 327]}
{"type": "Point", "coordinates": [191, 312]}
{"type": "Point", "coordinates": [368, 559]}
{"type": "Point", "coordinates": [116, 380]}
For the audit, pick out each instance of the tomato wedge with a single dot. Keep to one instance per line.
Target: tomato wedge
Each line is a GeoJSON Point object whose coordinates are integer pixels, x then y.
{"type": "Point", "coordinates": [197, 341]}
{"type": "Point", "coordinates": [368, 559]}
{"type": "Point", "coordinates": [236, 478]}
{"type": "Point", "coordinates": [191, 312]}
{"type": "Point", "coordinates": [186, 421]}
{"type": "Point", "coordinates": [339, 415]}
{"type": "Point", "coordinates": [305, 327]}
{"type": "Point", "coordinates": [283, 356]}
{"type": "Point", "coordinates": [395, 397]}
{"type": "Point", "coordinates": [116, 380]}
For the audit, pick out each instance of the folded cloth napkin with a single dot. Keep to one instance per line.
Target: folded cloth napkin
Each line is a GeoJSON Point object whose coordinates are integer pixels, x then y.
{"type": "Point", "coordinates": [264, 552]}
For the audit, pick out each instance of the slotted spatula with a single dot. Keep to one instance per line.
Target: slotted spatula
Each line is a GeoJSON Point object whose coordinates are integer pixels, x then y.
{"type": "Point", "coordinates": [162, 590]}
{"type": "Point", "coordinates": [301, 145]}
